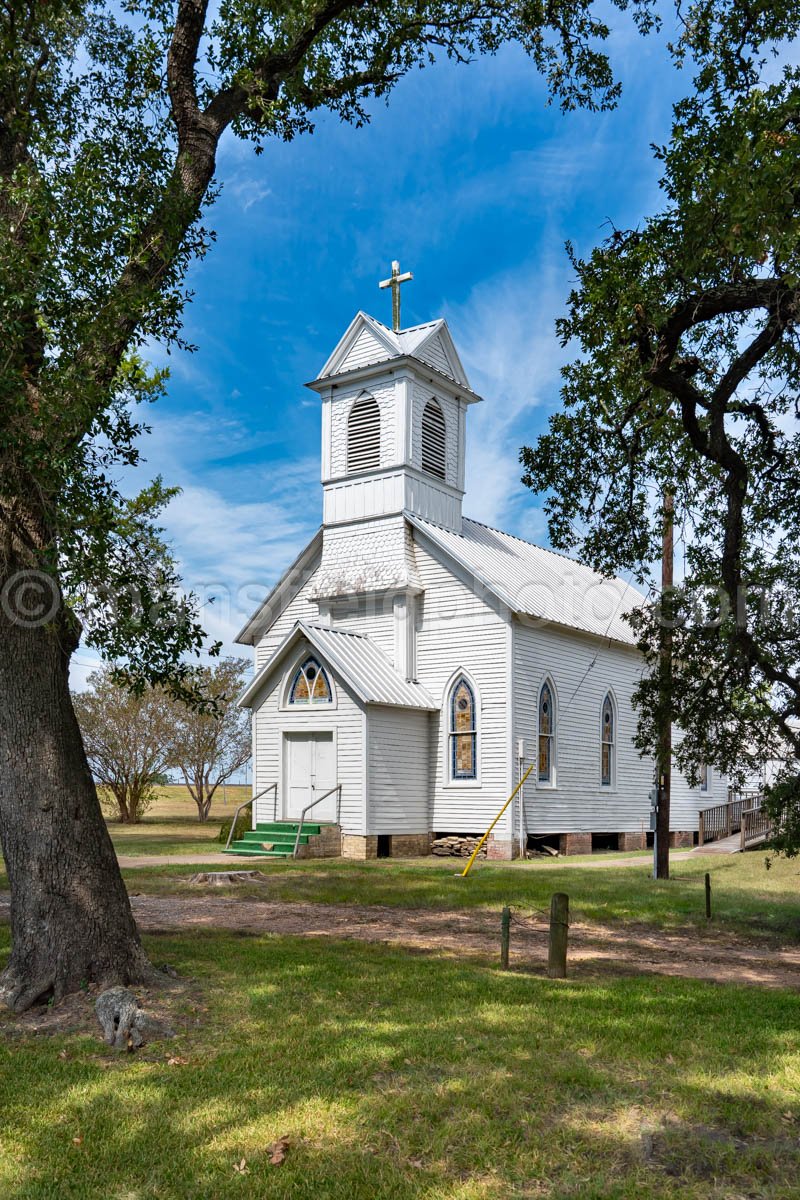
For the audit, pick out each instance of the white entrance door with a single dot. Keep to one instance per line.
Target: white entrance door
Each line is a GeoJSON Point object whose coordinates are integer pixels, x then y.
{"type": "Point", "coordinates": [310, 772]}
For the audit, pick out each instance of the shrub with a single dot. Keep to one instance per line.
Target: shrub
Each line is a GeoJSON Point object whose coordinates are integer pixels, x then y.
{"type": "Point", "coordinates": [242, 826]}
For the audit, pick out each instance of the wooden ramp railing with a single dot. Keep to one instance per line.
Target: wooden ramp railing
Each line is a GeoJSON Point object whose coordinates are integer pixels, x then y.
{"type": "Point", "coordinates": [723, 820]}
{"type": "Point", "coordinates": [756, 827]}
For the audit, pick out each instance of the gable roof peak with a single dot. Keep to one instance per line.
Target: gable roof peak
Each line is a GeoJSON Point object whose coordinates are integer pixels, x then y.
{"type": "Point", "coordinates": [367, 341]}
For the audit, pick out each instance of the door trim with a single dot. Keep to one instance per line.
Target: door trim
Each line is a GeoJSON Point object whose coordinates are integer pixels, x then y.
{"type": "Point", "coordinates": [284, 761]}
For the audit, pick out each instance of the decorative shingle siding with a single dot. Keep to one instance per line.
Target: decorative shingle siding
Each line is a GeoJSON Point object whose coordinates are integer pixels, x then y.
{"type": "Point", "coordinates": [365, 557]}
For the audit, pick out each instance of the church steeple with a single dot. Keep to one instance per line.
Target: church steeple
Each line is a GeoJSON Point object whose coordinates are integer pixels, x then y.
{"type": "Point", "coordinates": [394, 405]}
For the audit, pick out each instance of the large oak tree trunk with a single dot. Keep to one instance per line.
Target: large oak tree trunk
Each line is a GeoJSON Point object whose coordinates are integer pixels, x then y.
{"type": "Point", "coordinates": [71, 920]}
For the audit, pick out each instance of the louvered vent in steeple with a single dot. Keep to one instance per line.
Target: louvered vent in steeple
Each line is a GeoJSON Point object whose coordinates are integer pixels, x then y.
{"type": "Point", "coordinates": [364, 435]}
{"type": "Point", "coordinates": [433, 440]}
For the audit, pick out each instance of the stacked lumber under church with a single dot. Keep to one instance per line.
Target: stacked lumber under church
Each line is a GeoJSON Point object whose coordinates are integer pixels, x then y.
{"type": "Point", "coordinates": [454, 846]}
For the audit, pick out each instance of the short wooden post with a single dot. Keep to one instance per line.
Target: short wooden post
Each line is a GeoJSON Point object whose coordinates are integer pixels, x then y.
{"type": "Point", "coordinates": [505, 936]}
{"type": "Point", "coordinates": [708, 896]}
{"type": "Point", "coordinates": [559, 929]}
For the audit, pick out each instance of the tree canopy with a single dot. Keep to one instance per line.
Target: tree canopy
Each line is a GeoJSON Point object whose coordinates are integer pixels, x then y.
{"type": "Point", "coordinates": [128, 738]}
{"type": "Point", "coordinates": [686, 382]}
{"type": "Point", "coordinates": [110, 119]}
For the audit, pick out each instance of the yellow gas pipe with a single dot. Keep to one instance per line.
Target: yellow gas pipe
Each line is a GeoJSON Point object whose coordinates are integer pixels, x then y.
{"type": "Point", "coordinates": [476, 851]}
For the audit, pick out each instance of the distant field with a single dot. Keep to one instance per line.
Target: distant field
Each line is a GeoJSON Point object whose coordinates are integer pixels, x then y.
{"type": "Point", "coordinates": [175, 802]}
{"type": "Point", "coordinates": [171, 825]}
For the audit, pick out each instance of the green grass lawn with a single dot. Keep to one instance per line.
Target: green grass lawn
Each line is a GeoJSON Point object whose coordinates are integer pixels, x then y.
{"type": "Point", "coordinates": [403, 1076]}
{"type": "Point", "coordinates": [171, 825]}
{"type": "Point", "coordinates": [746, 896]}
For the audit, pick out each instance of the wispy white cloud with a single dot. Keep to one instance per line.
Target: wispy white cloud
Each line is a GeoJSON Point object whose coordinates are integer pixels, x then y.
{"type": "Point", "coordinates": [248, 191]}
{"type": "Point", "coordinates": [507, 342]}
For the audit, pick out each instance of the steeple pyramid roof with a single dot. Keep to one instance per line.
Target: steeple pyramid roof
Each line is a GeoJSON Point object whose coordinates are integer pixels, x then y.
{"type": "Point", "coordinates": [367, 342]}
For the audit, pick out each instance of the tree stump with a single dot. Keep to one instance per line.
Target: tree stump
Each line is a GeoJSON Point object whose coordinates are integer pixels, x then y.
{"type": "Point", "coordinates": [225, 878]}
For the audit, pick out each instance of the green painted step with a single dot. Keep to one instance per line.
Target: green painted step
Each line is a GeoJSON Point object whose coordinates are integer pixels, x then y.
{"type": "Point", "coordinates": [260, 835]}
{"type": "Point", "coordinates": [285, 827]}
{"type": "Point", "coordinates": [281, 834]}
{"type": "Point", "coordinates": [258, 853]}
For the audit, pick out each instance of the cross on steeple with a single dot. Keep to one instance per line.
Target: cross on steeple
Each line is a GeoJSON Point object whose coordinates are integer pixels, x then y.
{"type": "Point", "coordinates": [394, 283]}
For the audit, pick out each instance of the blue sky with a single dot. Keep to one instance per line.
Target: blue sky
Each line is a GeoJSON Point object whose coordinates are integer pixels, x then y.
{"type": "Point", "coordinates": [474, 183]}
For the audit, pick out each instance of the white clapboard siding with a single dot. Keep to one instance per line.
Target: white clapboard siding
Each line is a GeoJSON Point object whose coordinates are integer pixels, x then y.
{"type": "Point", "coordinates": [397, 770]}
{"type": "Point", "coordinates": [365, 350]}
{"type": "Point", "coordinates": [459, 631]}
{"type": "Point", "coordinates": [686, 802]}
{"type": "Point", "coordinates": [302, 607]}
{"type": "Point", "coordinates": [434, 440]}
{"type": "Point", "coordinates": [346, 719]}
{"type": "Point", "coordinates": [433, 353]}
{"type": "Point", "coordinates": [578, 802]}
{"type": "Point", "coordinates": [372, 616]}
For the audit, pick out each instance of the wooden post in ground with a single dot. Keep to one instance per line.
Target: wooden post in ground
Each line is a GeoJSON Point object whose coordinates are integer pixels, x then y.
{"type": "Point", "coordinates": [505, 936]}
{"type": "Point", "coordinates": [708, 896]}
{"type": "Point", "coordinates": [559, 929]}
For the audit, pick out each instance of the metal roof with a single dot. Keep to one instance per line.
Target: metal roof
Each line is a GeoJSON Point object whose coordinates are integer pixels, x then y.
{"type": "Point", "coordinates": [391, 344]}
{"type": "Point", "coordinates": [356, 660]}
{"type": "Point", "coordinates": [539, 583]}
{"type": "Point", "coordinates": [284, 591]}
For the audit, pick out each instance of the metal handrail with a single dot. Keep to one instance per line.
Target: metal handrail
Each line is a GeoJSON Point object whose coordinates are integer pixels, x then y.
{"type": "Point", "coordinates": [308, 807]}
{"type": "Point", "coordinates": [244, 804]}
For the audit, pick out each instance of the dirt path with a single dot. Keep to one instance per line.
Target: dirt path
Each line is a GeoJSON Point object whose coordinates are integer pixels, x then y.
{"type": "Point", "coordinates": [636, 949]}
{"type": "Point", "coordinates": [470, 933]}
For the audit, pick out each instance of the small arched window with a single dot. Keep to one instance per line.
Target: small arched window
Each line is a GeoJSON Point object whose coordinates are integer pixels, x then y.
{"type": "Point", "coordinates": [547, 733]}
{"type": "Point", "coordinates": [463, 732]}
{"type": "Point", "coordinates": [364, 435]}
{"type": "Point", "coordinates": [434, 436]}
{"type": "Point", "coordinates": [310, 684]}
{"type": "Point", "coordinates": [608, 742]}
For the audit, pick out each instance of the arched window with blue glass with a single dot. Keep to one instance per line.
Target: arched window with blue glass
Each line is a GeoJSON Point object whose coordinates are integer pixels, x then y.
{"type": "Point", "coordinates": [546, 734]}
{"type": "Point", "coordinates": [310, 684]}
{"type": "Point", "coordinates": [463, 731]}
{"type": "Point", "coordinates": [608, 742]}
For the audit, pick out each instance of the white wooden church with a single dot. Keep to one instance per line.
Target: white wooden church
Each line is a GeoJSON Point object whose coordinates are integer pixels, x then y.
{"type": "Point", "coordinates": [412, 663]}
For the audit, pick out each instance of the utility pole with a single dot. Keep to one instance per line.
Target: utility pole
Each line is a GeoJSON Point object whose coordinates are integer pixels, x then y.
{"type": "Point", "coordinates": [664, 748]}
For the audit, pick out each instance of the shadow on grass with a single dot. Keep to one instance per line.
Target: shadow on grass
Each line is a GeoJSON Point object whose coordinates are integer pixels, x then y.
{"type": "Point", "coordinates": [405, 1077]}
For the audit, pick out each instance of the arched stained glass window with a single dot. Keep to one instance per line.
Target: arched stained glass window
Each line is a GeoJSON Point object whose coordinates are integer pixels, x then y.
{"type": "Point", "coordinates": [463, 732]}
{"type": "Point", "coordinates": [608, 742]}
{"type": "Point", "coordinates": [547, 732]}
{"type": "Point", "coordinates": [434, 437]}
{"type": "Point", "coordinates": [364, 435]}
{"type": "Point", "coordinates": [310, 684]}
